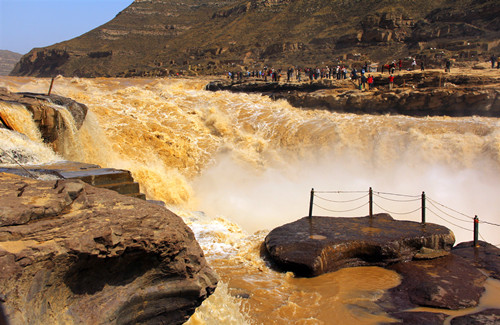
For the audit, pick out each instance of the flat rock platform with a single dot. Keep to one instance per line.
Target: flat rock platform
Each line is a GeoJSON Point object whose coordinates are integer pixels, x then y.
{"type": "Point", "coordinates": [315, 245]}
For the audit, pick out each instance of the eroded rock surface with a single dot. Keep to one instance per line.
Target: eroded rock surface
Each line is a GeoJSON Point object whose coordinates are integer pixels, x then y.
{"type": "Point", "coordinates": [448, 282]}
{"type": "Point", "coordinates": [316, 245]}
{"type": "Point", "coordinates": [73, 253]}
{"type": "Point", "coordinates": [486, 256]}
{"type": "Point", "coordinates": [488, 316]}
{"type": "Point", "coordinates": [429, 93]}
{"type": "Point", "coordinates": [45, 111]}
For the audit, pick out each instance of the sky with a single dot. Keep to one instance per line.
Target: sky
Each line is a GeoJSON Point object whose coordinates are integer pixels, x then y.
{"type": "Point", "coordinates": [26, 24]}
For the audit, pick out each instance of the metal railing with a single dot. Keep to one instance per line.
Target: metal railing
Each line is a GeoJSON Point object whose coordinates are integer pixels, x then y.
{"type": "Point", "coordinates": [360, 199]}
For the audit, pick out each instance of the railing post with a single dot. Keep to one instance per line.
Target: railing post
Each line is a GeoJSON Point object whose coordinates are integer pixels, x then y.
{"type": "Point", "coordinates": [423, 208]}
{"type": "Point", "coordinates": [51, 84]}
{"type": "Point", "coordinates": [370, 199]}
{"type": "Point", "coordinates": [476, 231]}
{"type": "Point", "coordinates": [311, 200]}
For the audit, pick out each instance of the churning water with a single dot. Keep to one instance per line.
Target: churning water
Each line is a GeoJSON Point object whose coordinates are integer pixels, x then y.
{"type": "Point", "coordinates": [234, 166]}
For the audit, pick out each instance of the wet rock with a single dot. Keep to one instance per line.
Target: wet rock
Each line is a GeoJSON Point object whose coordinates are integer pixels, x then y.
{"type": "Point", "coordinates": [485, 317]}
{"type": "Point", "coordinates": [486, 256]}
{"type": "Point", "coordinates": [416, 94]}
{"type": "Point", "coordinates": [418, 318]}
{"type": "Point", "coordinates": [74, 253]}
{"type": "Point", "coordinates": [313, 246]}
{"type": "Point", "coordinates": [448, 282]}
{"type": "Point", "coordinates": [46, 113]}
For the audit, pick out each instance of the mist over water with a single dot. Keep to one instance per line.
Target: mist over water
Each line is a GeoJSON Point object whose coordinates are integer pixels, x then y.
{"type": "Point", "coordinates": [234, 164]}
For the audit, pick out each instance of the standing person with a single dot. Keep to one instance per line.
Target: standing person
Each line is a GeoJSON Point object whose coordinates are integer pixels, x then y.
{"type": "Point", "coordinates": [400, 64]}
{"type": "Point", "coordinates": [370, 82]}
{"type": "Point", "coordinates": [391, 81]}
{"type": "Point", "coordinates": [363, 81]}
{"type": "Point", "coordinates": [493, 60]}
{"type": "Point", "coordinates": [413, 64]}
{"type": "Point", "coordinates": [422, 66]}
{"type": "Point", "coordinates": [448, 66]}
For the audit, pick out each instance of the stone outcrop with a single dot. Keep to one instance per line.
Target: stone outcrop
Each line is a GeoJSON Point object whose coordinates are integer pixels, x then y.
{"type": "Point", "coordinates": [118, 180]}
{"type": "Point", "coordinates": [316, 245]}
{"type": "Point", "coordinates": [415, 94]}
{"type": "Point", "coordinates": [73, 253]}
{"type": "Point", "coordinates": [485, 257]}
{"type": "Point", "coordinates": [488, 316]}
{"type": "Point", "coordinates": [45, 112]}
{"type": "Point", "coordinates": [433, 283]}
{"type": "Point", "coordinates": [433, 274]}
{"type": "Point", "coordinates": [405, 101]}
{"type": "Point", "coordinates": [453, 282]}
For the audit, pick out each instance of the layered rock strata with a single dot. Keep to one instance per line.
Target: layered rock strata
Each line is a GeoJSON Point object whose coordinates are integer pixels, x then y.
{"type": "Point", "coordinates": [73, 253]}
{"type": "Point", "coordinates": [415, 94]}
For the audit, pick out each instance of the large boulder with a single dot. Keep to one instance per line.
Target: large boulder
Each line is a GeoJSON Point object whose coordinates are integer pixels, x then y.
{"type": "Point", "coordinates": [77, 254]}
{"type": "Point", "coordinates": [315, 245]}
{"type": "Point", "coordinates": [46, 112]}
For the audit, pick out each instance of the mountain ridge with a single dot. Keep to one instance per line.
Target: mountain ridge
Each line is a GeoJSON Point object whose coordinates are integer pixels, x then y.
{"type": "Point", "coordinates": [161, 37]}
{"type": "Point", "coordinates": [8, 60]}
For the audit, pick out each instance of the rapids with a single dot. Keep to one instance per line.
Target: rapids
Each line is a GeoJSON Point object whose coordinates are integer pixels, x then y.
{"type": "Point", "coordinates": [236, 165]}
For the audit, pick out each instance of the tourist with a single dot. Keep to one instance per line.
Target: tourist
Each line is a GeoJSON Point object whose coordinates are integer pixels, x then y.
{"type": "Point", "coordinates": [400, 64]}
{"type": "Point", "coordinates": [354, 74]}
{"type": "Point", "coordinates": [422, 66]}
{"type": "Point", "coordinates": [391, 81]}
{"type": "Point", "coordinates": [493, 61]}
{"type": "Point", "coordinates": [370, 82]}
{"type": "Point", "coordinates": [448, 66]}
{"type": "Point", "coordinates": [362, 82]}
{"type": "Point", "coordinates": [413, 64]}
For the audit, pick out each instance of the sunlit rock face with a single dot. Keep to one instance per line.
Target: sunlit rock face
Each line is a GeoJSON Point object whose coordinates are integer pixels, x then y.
{"type": "Point", "coordinates": [73, 253]}
{"type": "Point", "coordinates": [166, 37]}
{"type": "Point", "coordinates": [315, 245]}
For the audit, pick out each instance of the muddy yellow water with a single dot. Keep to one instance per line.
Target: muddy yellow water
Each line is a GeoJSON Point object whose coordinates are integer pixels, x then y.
{"type": "Point", "coordinates": [234, 166]}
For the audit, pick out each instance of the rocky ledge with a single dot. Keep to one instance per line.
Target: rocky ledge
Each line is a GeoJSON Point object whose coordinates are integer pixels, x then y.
{"type": "Point", "coordinates": [45, 110]}
{"type": "Point", "coordinates": [453, 282]}
{"type": "Point", "coordinates": [315, 245]}
{"type": "Point", "coordinates": [433, 274]}
{"type": "Point", "coordinates": [429, 93]}
{"type": "Point", "coordinates": [74, 253]}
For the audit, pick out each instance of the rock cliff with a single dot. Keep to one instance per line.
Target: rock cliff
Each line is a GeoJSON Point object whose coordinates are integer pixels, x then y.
{"type": "Point", "coordinates": [73, 253]}
{"type": "Point", "coordinates": [162, 37]}
{"type": "Point", "coordinates": [429, 93]}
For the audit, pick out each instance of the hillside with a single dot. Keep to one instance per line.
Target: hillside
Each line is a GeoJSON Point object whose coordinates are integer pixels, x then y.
{"type": "Point", "coordinates": [8, 60]}
{"type": "Point", "coordinates": [159, 37]}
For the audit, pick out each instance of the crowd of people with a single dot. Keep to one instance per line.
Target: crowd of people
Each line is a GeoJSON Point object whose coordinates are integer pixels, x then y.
{"type": "Point", "coordinates": [362, 77]}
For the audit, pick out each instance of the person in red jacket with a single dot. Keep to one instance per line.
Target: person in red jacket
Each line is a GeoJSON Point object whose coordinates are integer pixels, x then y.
{"type": "Point", "coordinates": [370, 82]}
{"type": "Point", "coordinates": [391, 81]}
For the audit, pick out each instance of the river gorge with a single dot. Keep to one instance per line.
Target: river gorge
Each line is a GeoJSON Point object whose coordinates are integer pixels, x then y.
{"type": "Point", "coordinates": [235, 165]}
